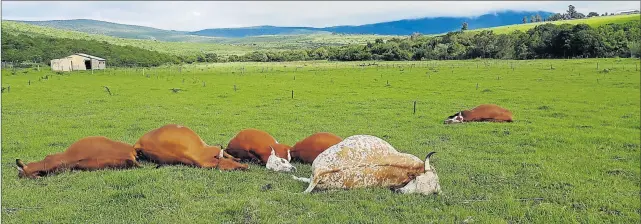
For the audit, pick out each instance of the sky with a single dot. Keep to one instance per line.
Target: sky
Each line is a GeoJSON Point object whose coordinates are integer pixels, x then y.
{"type": "Point", "coordinates": [193, 16]}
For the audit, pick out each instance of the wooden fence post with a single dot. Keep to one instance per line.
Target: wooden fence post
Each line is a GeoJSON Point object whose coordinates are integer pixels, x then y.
{"type": "Point", "coordinates": [414, 106]}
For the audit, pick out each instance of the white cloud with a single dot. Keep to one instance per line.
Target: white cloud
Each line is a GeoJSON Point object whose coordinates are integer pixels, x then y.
{"type": "Point", "coordinates": [191, 16]}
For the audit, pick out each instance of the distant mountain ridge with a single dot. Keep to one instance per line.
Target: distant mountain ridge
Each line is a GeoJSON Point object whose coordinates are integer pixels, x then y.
{"type": "Point", "coordinates": [435, 25]}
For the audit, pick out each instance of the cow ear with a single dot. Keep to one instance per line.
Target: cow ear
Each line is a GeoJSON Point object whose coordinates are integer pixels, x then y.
{"type": "Point", "coordinates": [289, 156]}
{"type": "Point", "coordinates": [20, 165]}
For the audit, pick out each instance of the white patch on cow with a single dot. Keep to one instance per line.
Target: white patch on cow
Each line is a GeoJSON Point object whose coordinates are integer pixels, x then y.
{"type": "Point", "coordinates": [278, 164]}
{"type": "Point", "coordinates": [456, 118]}
{"type": "Point", "coordinates": [358, 161]}
{"type": "Point", "coordinates": [427, 183]}
{"type": "Point", "coordinates": [179, 126]}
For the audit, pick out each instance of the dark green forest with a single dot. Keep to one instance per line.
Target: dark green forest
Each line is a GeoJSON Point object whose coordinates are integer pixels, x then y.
{"type": "Point", "coordinates": [545, 41]}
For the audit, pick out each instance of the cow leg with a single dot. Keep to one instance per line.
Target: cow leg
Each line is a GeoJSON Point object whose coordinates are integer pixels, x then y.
{"type": "Point", "coordinates": [239, 155]}
{"type": "Point", "coordinates": [230, 156]}
{"type": "Point", "coordinates": [163, 158]}
{"type": "Point", "coordinates": [255, 157]}
{"type": "Point", "coordinates": [96, 164]}
{"type": "Point", "coordinates": [133, 163]}
{"type": "Point", "coordinates": [208, 164]}
{"type": "Point", "coordinates": [500, 120]}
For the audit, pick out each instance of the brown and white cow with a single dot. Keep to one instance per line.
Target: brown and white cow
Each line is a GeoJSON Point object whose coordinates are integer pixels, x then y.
{"type": "Point", "coordinates": [309, 148]}
{"type": "Point", "coordinates": [258, 146]}
{"type": "Point", "coordinates": [362, 161]}
{"type": "Point", "coordinates": [176, 144]}
{"type": "Point", "coordinates": [89, 153]}
{"type": "Point", "coordinates": [484, 112]}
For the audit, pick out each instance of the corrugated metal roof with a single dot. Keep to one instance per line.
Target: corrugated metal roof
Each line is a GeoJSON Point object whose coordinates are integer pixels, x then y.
{"type": "Point", "coordinates": [91, 56]}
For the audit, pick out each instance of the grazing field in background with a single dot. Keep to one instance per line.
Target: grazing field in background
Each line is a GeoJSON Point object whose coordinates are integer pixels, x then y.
{"type": "Point", "coordinates": [191, 44]}
{"type": "Point", "coordinates": [592, 21]}
{"type": "Point", "coordinates": [572, 154]}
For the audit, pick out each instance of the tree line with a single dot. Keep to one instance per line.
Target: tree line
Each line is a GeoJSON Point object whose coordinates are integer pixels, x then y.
{"type": "Point", "coordinates": [543, 41]}
{"type": "Point", "coordinates": [43, 49]}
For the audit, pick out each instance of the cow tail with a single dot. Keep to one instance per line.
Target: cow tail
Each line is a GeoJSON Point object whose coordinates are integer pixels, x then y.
{"type": "Point", "coordinates": [312, 185]}
{"type": "Point", "coordinates": [306, 180]}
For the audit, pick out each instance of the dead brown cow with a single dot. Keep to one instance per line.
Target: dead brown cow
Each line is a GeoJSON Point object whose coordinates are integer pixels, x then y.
{"type": "Point", "coordinates": [176, 144]}
{"type": "Point", "coordinates": [257, 145]}
{"type": "Point", "coordinates": [484, 112]}
{"type": "Point", "coordinates": [89, 153]}
{"type": "Point", "coordinates": [309, 148]}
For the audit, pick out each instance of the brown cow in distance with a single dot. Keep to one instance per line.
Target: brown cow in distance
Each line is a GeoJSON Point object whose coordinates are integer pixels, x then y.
{"type": "Point", "coordinates": [484, 112]}
{"type": "Point", "coordinates": [176, 144]}
{"type": "Point", "coordinates": [308, 149]}
{"type": "Point", "coordinates": [257, 145]}
{"type": "Point", "coordinates": [89, 153]}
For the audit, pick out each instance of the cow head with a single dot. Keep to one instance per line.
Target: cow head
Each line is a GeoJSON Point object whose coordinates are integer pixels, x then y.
{"type": "Point", "coordinates": [25, 171]}
{"type": "Point", "coordinates": [426, 183]}
{"type": "Point", "coordinates": [456, 118]}
{"type": "Point", "coordinates": [276, 163]}
{"type": "Point", "coordinates": [229, 164]}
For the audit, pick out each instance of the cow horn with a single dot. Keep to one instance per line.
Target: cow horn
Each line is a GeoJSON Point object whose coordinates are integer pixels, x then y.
{"type": "Point", "coordinates": [427, 161]}
{"type": "Point", "coordinates": [289, 156]}
{"type": "Point", "coordinates": [220, 154]}
{"type": "Point", "coordinates": [273, 152]}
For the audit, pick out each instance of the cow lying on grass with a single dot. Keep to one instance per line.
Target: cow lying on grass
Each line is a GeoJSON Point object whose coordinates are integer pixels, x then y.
{"type": "Point", "coordinates": [366, 161]}
{"type": "Point", "coordinates": [309, 148]}
{"type": "Point", "coordinates": [258, 146]}
{"type": "Point", "coordinates": [484, 112]}
{"type": "Point", "coordinates": [90, 153]}
{"type": "Point", "coordinates": [176, 144]}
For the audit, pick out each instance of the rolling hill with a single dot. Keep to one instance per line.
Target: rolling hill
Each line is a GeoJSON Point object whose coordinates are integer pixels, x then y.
{"type": "Point", "coordinates": [220, 46]}
{"type": "Point", "coordinates": [594, 22]}
{"type": "Point", "coordinates": [120, 30]}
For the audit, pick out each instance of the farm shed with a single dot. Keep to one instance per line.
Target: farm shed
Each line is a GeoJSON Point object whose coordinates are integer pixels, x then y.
{"type": "Point", "coordinates": [628, 12]}
{"type": "Point", "coordinates": [78, 61]}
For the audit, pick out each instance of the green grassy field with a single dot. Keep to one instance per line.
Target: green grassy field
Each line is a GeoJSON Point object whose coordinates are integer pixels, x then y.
{"type": "Point", "coordinates": [593, 21]}
{"type": "Point", "coordinates": [571, 156]}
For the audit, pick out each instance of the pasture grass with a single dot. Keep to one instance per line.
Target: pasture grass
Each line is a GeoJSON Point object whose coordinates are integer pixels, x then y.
{"type": "Point", "coordinates": [592, 21]}
{"type": "Point", "coordinates": [572, 154]}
